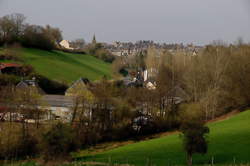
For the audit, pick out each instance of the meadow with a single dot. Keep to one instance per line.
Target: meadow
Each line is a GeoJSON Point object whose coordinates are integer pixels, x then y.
{"type": "Point", "coordinates": [229, 142]}
{"type": "Point", "coordinates": [65, 67]}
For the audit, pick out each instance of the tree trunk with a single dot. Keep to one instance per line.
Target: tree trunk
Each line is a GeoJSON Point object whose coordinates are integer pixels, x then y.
{"type": "Point", "coordinates": [37, 119]}
{"type": "Point", "coordinates": [74, 113]}
{"type": "Point", "coordinates": [189, 159]}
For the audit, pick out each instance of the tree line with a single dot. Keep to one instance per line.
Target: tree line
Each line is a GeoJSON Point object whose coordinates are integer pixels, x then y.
{"type": "Point", "coordinates": [14, 29]}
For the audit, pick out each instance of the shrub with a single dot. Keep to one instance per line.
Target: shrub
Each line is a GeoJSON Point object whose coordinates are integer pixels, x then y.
{"type": "Point", "coordinates": [8, 79]}
{"type": "Point", "coordinates": [36, 37]}
{"type": "Point", "coordinates": [50, 86]}
{"type": "Point", "coordinates": [59, 141]}
{"type": "Point", "coordinates": [26, 70]}
{"type": "Point", "coordinates": [15, 145]}
{"type": "Point", "coordinates": [99, 52]}
{"type": "Point", "coordinates": [104, 55]}
{"type": "Point", "coordinates": [194, 131]}
{"type": "Point", "coordinates": [28, 146]}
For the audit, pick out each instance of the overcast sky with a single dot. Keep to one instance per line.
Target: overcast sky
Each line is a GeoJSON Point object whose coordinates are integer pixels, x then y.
{"type": "Point", "coordinates": [196, 21]}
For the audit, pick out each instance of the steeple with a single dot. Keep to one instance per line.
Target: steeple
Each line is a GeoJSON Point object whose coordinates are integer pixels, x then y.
{"type": "Point", "coordinates": [94, 40]}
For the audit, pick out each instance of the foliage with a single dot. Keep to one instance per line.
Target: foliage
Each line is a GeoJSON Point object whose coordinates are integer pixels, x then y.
{"type": "Point", "coordinates": [6, 79]}
{"type": "Point", "coordinates": [78, 44]}
{"type": "Point", "coordinates": [119, 67]}
{"type": "Point", "coordinates": [194, 131]}
{"type": "Point", "coordinates": [13, 29]}
{"type": "Point", "coordinates": [98, 51]}
{"type": "Point", "coordinates": [15, 145]}
{"type": "Point", "coordinates": [59, 141]}
{"type": "Point", "coordinates": [37, 37]}
{"type": "Point", "coordinates": [50, 86]}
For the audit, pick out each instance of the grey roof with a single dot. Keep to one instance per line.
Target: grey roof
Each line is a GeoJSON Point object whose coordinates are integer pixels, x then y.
{"type": "Point", "coordinates": [178, 92]}
{"type": "Point", "coordinates": [81, 80]}
{"type": "Point", "coordinates": [29, 83]}
{"type": "Point", "coordinates": [58, 100]}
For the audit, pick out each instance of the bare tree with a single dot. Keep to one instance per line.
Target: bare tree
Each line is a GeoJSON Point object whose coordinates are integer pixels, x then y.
{"type": "Point", "coordinates": [78, 44]}
{"type": "Point", "coordinates": [12, 26]}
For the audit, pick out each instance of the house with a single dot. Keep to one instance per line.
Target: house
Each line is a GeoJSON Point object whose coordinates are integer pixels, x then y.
{"type": "Point", "coordinates": [150, 73]}
{"type": "Point", "coordinates": [117, 53]}
{"type": "Point", "coordinates": [145, 75]}
{"type": "Point", "coordinates": [65, 44]}
{"type": "Point", "coordinates": [179, 94]}
{"type": "Point", "coordinates": [77, 86]}
{"type": "Point", "coordinates": [9, 67]}
{"type": "Point", "coordinates": [30, 84]}
{"type": "Point", "coordinates": [150, 86]}
{"type": "Point", "coordinates": [194, 53]}
{"type": "Point", "coordinates": [59, 106]}
{"type": "Point", "coordinates": [54, 106]}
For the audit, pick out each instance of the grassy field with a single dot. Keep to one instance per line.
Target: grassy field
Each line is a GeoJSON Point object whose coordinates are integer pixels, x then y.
{"type": "Point", "coordinates": [228, 139]}
{"type": "Point", "coordinates": [65, 67]}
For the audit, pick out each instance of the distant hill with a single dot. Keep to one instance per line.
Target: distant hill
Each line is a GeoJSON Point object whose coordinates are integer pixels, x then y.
{"type": "Point", "coordinates": [66, 67]}
{"type": "Point", "coordinates": [229, 140]}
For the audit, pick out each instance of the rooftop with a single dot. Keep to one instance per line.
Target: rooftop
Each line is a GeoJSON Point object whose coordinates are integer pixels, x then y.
{"type": "Point", "coordinates": [58, 100]}
{"type": "Point", "coordinates": [6, 65]}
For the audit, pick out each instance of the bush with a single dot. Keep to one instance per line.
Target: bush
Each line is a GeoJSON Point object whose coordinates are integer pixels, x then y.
{"type": "Point", "coordinates": [26, 70]}
{"type": "Point", "coordinates": [14, 29]}
{"type": "Point", "coordinates": [36, 37]}
{"type": "Point", "coordinates": [104, 55]}
{"type": "Point", "coordinates": [50, 86]}
{"type": "Point", "coordinates": [28, 146]}
{"type": "Point", "coordinates": [1, 42]}
{"type": "Point", "coordinates": [99, 52]}
{"type": "Point", "coordinates": [15, 145]}
{"type": "Point", "coordinates": [59, 141]}
{"type": "Point", "coordinates": [8, 79]}
{"type": "Point", "coordinates": [47, 85]}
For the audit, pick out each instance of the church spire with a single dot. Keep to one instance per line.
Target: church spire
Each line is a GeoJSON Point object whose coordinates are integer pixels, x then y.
{"type": "Point", "coordinates": [94, 40]}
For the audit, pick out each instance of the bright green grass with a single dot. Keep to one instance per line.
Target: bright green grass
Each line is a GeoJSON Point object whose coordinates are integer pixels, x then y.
{"type": "Point", "coordinates": [227, 139]}
{"type": "Point", "coordinates": [65, 67]}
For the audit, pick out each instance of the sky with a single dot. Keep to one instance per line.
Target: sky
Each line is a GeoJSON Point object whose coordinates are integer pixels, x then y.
{"type": "Point", "coordinates": [171, 21]}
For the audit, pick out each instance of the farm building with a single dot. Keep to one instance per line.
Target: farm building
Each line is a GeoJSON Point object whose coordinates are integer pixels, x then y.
{"type": "Point", "coordinates": [65, 44]}
{"type": "Point", "coordinates": [9, 68]}
{"type": "Point", "coordinates": [59, 105]}
{"type": "Point", "coordinates": [29, 84]}
{"type": "Point", "coordinates": [77, 86]}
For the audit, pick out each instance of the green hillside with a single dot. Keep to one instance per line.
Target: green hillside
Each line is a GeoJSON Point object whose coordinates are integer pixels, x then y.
{"type": "Point", "coordinates": [65, 67]}
{"type": "Point", "coordinates": [228, 139]}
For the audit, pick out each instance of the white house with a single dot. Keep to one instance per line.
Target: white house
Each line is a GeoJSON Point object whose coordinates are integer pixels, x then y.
{"type": "Point", "coordinates": [150, 86]}
{"type": "Point", "coordinates": [59, 105]}
{"type": "Point", "coordinates": [65, 44]}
